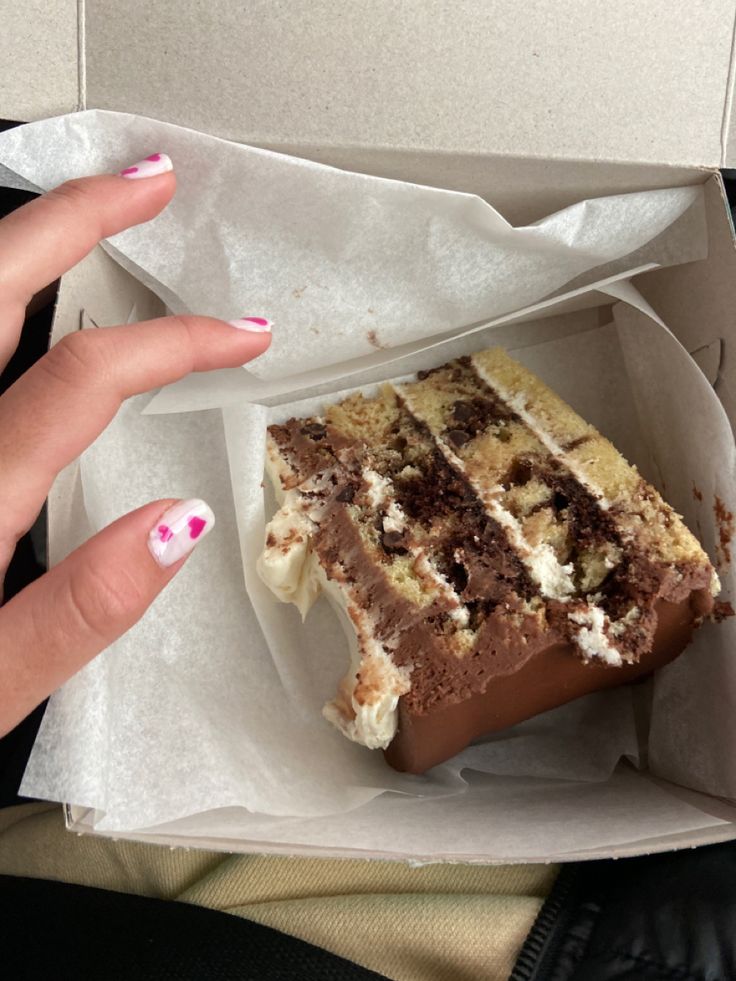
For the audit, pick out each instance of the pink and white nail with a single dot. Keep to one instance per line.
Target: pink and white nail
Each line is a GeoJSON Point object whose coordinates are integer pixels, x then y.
{"type": "Point", "coordinates": [179, 529]}
{"type": "Point", "coordinates": [157, 163]}
{"type": "Point", "coordinates": [258, 325]}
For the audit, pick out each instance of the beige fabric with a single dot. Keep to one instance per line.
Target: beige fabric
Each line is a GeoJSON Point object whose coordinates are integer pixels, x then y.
{"type": "Point", "coordinates": [438, 922]}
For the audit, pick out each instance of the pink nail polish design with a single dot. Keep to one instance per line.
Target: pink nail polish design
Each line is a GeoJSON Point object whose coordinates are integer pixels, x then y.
{"type": "Point", "coordinates": [179, 529]}
{"type": "Point", "coordinates": [195, 527]}
{"type": "Point", "coordinates": [165, 533]}
{"type": "Point", "coordinates": [257, 325]}
{"type": "Point", "coordinates": [152, 166]}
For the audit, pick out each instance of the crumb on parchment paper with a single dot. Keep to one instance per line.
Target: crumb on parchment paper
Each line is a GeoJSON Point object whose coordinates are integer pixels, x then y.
{"type": "Point", "coordinates": [374, 341]}
{"type": "Point", "coordinates": [725, 525]}
{"type": "Point", "coordinates": [721, 610]}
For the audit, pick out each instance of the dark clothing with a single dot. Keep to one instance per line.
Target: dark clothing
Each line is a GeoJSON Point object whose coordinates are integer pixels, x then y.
{"type": "Point", "coordinates": [669, 917]}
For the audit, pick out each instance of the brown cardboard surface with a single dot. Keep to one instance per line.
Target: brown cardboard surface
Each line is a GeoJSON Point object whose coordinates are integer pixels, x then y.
{"type": "Point", "coordinates": [621, 81]}
{"type": "Point", "coordinates": [728, 131]}
{"type": "Point", "coordinates": [38, 59]}
{"type": "Point", "coordinates": [626, 81]}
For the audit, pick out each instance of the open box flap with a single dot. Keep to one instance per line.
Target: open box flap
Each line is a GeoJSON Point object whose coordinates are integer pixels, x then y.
{"type": "Point", "coordinates": [623, 82]}
{"type": "Point", "coordinates": [39, 63]}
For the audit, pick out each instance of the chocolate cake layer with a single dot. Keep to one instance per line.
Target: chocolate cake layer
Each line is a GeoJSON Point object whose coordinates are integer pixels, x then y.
{"type": "Point", "coordinates": [476, 535]}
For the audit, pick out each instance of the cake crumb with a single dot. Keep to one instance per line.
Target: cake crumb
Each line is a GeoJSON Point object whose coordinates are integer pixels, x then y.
{"type": "Point", "coordinates": [725, 523]}
{"type": "Point", "coordinates": [297, 293]}
{"type": "Point", "coordinates": [373, 340]}
{"type": "Point", "coordinates": [721, 610]}
{"type": "Point", "coordinates": [697, 494]}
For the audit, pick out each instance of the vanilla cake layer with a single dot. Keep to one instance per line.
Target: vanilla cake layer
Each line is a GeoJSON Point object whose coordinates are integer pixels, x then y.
{"type": "Point", "coordinates": [470, 527]}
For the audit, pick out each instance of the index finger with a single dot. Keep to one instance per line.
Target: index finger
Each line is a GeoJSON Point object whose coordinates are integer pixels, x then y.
{"type": "Point", "coordinates": [46, 237]}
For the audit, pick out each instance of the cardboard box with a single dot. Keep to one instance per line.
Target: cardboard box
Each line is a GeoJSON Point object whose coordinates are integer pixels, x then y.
{"type": "Point", "coordinates": [533, 109]}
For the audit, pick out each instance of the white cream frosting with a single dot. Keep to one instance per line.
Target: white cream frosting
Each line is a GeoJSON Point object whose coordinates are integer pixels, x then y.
{"type": "Point", "coordinates": [553, 578]}
{"type": "Point", "coordinates": [379, 488]}
{"type": "Point", "coordinates": [366, 708]}
{"type": "Point", "coordinates": [619, 627]}
{"type": "Point", "coordinates": [394, 519]}
{"type": "Point", "coordinates": [285, 565]}
{"type": "Point", "coordinates": [277, 469]}
{"type": "Point", "coordinates": [591, 638]}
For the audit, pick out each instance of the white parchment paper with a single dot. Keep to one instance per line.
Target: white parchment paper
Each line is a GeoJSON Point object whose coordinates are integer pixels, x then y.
{"type": "Point", "coordinates": [207, 712]}
{"type": "Point", "coordinates": [347, 263]}
{"type": "Point", "coordinates": [219, 691]}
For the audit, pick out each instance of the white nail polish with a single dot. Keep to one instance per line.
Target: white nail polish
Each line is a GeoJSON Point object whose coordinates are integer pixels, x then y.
{"type": "Point", "coordinates": [179, 529]}
{"type": "Point", "coordinates": [157, 163]}
{"type": "Point", "coordinates": [257, 325]}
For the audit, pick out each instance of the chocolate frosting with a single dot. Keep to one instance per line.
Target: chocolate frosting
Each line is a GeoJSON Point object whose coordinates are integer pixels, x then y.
{"type": "Point", "coordinates": [552, 676]}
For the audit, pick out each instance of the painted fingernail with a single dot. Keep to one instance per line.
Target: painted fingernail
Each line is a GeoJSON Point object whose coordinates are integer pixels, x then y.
{"type": "Point", "coordinates": [179, 529]}
{"type": "Point", "coordinates": [157, 163]}
{"type": "Point", "coordinates": [258, 325]}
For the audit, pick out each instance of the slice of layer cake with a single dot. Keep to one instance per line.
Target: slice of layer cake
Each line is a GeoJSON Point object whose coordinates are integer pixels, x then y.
{"type": "Point", "coordinates": [490, 553]}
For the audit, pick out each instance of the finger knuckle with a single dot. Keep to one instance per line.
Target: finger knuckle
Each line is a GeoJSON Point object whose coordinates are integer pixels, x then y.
{"type": "Point", "coordinates": [72, 195]}
{"type": "Point", "coordinates": [76, 357]}
{"type": "Point", "coordinates": [187, 326]}
{"type": "Point", "coordinates": [103, 599]}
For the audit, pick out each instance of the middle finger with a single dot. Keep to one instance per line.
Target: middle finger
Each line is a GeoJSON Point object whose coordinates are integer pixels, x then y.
{"type": "Point", "coordinates": [61, 404]}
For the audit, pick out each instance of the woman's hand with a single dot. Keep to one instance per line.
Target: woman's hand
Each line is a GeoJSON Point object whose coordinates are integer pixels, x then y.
{"type": "Point", "coordinates": [54, 411]}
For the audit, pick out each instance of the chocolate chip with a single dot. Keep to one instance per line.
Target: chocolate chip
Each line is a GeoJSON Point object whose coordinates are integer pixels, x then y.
{"type": "Point", "coordinates": [392, 538]}
{"type": "Point", "coordinates": [575, 443]}
{"type": "Point", "coordinates": [346, 494]}
{"type": "Point", "coordinates": [462, 411]}
{"type": "Point", "coordinates": [393, 541]}
{"type": "Point", "coordinates": [456, 488]}
{"type": "Point", "coordinates": [421, 375]}
{"type": "Point", "coordinates": [314, 429]}
{"type": "Point", "coordinates": [399, 443]}
{"type": "Point", "coordinates": [458, 576]}
{"type": "Point", "coordinates": [519, 474]}
{"type": "Point", "coordinates": [490, 532]}
{"type": "Point", "coordinates": [458, 437]}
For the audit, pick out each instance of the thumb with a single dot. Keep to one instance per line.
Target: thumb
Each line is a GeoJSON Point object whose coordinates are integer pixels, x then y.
{"type": "Point", "coordinates": [61, 621]}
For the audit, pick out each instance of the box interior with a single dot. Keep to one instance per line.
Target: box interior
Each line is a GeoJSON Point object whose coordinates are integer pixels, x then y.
{"type": "Point", "coordinates": [694, 300]}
